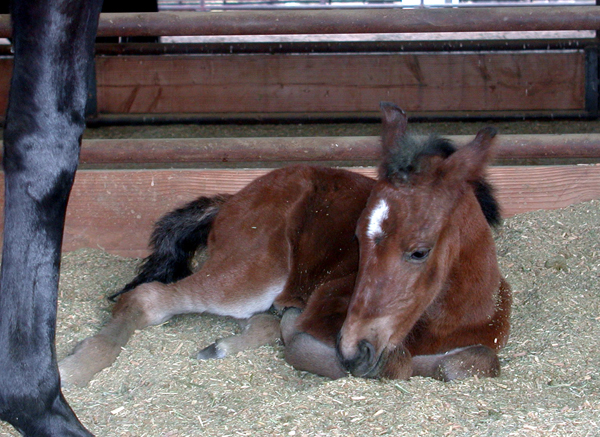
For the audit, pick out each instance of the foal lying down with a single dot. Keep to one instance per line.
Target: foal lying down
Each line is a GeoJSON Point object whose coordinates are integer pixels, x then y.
{"type": "Point", "coordinates": [389, 278]}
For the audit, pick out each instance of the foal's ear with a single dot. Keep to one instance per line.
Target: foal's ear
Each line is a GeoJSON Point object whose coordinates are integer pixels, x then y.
{"type": "Point", "coordinates": [469, 162]}
{"type": "Point", "coordinates": [394, 125]}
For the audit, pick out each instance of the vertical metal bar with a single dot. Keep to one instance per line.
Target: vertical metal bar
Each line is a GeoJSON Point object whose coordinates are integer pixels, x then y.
{"type": "Point", "coordinates": [591, 81]}
{"type": "Point", "coordinates": [597, 64]}
{"type": "Point", "coordinates": [598, 30]}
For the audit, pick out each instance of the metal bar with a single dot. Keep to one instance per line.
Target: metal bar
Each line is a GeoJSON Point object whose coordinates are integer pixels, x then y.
{"type": "Point", "coordinates": [352, 21]}
{"type": "Point", "coordinates": [591, 81]}
{"type": "Point", "coordinates": [105, 119]}
{"type": "Point", "coordinates": [344, 21]}
{"type": "Point", "coordinates": [317, 149]}
{"type": "Point", "coordinates": [337, 47]}
{"type": "Point", "coordinates": [308, 5]}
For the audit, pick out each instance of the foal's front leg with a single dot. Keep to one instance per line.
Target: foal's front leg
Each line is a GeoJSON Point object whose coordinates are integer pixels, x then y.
{"type": "Point", "coordinates": [309, 335]}
{"type": "Point", "coordinates": [305, 352]}
{"type": "Point", "coordinates": [461, 363]}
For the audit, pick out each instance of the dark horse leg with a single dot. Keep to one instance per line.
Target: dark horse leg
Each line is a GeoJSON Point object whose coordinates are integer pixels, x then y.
{"type": "Point", "coordinates": [53, 45]}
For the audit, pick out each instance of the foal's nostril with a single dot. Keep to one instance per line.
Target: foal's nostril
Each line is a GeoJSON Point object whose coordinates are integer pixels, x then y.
{"type": "Point", "coordinates": [366, 351]}
{"type": "Point", "coordinates": [363, 361]}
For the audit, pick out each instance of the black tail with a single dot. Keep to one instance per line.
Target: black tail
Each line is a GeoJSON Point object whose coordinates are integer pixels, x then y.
{"type": "Point", "coordinates": [175, 239]}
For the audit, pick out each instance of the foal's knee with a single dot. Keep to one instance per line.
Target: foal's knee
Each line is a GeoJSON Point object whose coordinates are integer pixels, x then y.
{"type": "Point", "coordinates": [148, 304]}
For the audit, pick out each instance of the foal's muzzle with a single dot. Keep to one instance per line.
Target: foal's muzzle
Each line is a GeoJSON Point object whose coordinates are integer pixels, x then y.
{"type": "Point", "coordinates": [364, 363]}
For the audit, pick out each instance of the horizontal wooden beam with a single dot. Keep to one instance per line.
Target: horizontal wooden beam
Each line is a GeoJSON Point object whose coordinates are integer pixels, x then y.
{"type": "Point", "coordinates": [187, 151]}
{"type": "Point", "coordinates": [116, 209]}
{"type": "Point", "coordinates": [344, 21]}
{"type": "Point", "coordinates": [316, 149]}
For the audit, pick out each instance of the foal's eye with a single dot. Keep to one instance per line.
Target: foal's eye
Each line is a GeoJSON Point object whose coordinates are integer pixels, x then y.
{"type": "Point", "coordinates": [418, 256]}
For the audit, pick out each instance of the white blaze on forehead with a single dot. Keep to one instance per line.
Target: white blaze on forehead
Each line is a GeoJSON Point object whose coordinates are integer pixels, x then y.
{"type": "Point", "coordinates": [378, 215]}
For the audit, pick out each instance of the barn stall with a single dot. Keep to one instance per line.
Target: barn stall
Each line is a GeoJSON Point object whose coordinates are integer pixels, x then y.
{"type": "Point", "coordinates": [278, 82]}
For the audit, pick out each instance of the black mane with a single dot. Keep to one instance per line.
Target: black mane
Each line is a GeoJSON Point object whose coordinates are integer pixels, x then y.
{"type": "Point", "coordinates": [407, 156]}
{"type": "Point", "coordinates": [408, 152]}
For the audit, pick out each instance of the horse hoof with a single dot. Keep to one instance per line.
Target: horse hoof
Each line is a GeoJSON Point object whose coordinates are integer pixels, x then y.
{"type": "Point", "coordinates": [211, 352]}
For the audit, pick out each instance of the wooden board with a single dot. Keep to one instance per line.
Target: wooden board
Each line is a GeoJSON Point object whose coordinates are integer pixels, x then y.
{"type": "Point", "coordinates": [322, 83]}
{"type": "Point", "coordinates": [489, 82]}
{"type": "Point", "coordinates": [116, 209]}
{"type": "Point", "coordinates": [520, 149]}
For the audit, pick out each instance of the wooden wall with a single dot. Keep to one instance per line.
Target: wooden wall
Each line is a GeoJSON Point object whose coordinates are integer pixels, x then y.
{"type": "Point", "coordinates": [504, 81]}
{"type": "Point", "coordinates": [321, 83]}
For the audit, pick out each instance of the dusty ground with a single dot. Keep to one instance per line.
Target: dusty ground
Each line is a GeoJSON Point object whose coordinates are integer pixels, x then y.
{"type": "Point", "coordinates": [549, 385]}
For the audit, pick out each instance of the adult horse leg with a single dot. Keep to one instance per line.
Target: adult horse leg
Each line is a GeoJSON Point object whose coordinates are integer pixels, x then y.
{"type": "Point", "coordinates": [53, 45]}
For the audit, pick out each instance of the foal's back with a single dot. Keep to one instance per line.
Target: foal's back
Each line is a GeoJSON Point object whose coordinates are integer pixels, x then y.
{"type": "Point", "coordinates": [303, 218]}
